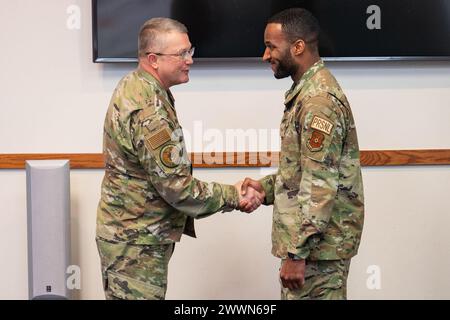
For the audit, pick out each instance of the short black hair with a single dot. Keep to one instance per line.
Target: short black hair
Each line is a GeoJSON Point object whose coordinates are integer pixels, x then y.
{"type": "Point", "coordinates": [298, 23]}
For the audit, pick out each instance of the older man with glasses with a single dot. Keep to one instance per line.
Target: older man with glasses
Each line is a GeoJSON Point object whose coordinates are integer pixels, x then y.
{"type": "Point", "coordinates": [149, 196]}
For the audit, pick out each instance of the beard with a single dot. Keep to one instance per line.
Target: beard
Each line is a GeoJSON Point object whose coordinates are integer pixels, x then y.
{"type": "Point", "coordinates": [286, 66]}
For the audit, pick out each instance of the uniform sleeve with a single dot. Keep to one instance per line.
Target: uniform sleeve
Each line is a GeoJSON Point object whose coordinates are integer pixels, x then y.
{"type": "Point", "coordinates": [162, 153]}
{"type": "Point", "coordinates": [268, 184]}
{"type": "Point", "coordinates": [322, 137]}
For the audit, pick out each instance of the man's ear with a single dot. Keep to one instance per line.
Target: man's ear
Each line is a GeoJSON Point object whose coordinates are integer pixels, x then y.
{"type": "Point", "coordinates": [152, 59]}
{"type": "Point", "coordinates": [299, 47]}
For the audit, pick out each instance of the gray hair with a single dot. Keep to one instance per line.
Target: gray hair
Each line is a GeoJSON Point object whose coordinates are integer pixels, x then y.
{"type": "Point", "coordinates": [151, 31]}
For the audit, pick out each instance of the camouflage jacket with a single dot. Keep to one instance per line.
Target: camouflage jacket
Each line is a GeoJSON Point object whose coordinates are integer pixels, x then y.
{"type": "Point", "coordinates": [317, 192]}
{"type": "Point", "coordinates": [148, 194]}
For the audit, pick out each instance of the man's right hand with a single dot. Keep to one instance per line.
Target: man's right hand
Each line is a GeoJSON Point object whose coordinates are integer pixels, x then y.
{"type": "Point", "coordinates": [255, 184]}
{"type": "Point", "coordinates": [248, 188]}
{"type": "Point", "coordinates": [251, 200]}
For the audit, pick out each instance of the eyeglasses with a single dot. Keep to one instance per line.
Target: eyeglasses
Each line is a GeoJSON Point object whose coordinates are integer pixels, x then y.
{"type": "Point", "coordinates": [186, 54]}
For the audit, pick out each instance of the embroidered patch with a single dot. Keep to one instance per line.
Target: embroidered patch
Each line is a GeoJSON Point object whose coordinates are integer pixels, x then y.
{"type": "Point", "coordinates": [315, 142]}
{"type": "Point", "coordinates": [159, 138]}
{"type": "Point", "coordinates": [170, 155]}
{"type": "Point", "coordinates": [322, 125]}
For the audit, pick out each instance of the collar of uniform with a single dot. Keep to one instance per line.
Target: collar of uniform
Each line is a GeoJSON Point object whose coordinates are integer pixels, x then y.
{"type": "Point", "coordinates": [171, 98]}
{"type": "Point", "coordinates": [297, 87]}
{"type": "Point", "coordinates": [153, 81]}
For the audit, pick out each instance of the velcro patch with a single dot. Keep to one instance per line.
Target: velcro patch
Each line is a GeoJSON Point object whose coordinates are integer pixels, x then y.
{"type": "Point", "coordinates": [170, 155]}
{"type": "Point", "coordinates": [159, 138]}
{"type": "Point", "coordinates": [315, 142]}
{"type": "Point", "coordinates": [322, 125]}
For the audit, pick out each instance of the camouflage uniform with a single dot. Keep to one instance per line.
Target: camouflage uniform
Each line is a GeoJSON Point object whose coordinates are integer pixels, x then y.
{"type": "Point", "coordinates": [324, 280]}
{"type": "Point", "coordinates": [317, 192]}
{"type": "Point", "coordinates": [148, 197]}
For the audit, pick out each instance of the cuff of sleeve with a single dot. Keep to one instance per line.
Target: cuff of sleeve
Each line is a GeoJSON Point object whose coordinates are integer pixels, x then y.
{"type": "Point", "coordinates": [308, 238]}
{"type": "Point", "coordinates": [230, 197]}
{"type": "Point", "coordinates": [267, 185]}
{"type": "Point", "coordinates": [302, 253]}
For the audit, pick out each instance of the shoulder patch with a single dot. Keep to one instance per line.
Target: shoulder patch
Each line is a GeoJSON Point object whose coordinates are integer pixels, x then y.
{"type": "Point", "coordinates": [159, 138]}
{"type": "Point", "coordinates": [170, 155]}
{"type": "Point", "coordinates": [322, 125]}
{"type": "Point", "coordinates": [315, 142]}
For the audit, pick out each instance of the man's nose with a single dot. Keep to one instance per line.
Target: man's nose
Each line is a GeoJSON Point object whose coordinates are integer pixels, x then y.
{"type": "Point", "coordinates": [266, 55]}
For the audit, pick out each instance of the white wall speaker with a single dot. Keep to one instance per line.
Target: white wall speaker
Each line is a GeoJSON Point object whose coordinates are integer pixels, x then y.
{"type": "Point", "coordinates": [48, 209]}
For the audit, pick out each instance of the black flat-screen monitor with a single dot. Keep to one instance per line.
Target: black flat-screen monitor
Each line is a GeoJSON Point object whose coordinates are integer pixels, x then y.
{"type": "Point", "coordinates": [227, 29]}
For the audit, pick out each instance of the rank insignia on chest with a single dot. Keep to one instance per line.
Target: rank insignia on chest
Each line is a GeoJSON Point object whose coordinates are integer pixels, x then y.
{"type": "Point", "coordinates": [315, 142]}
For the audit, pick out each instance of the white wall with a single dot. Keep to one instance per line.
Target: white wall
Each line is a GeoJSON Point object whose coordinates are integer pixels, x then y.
{"type": "Point", "coordinates": [53, 100]}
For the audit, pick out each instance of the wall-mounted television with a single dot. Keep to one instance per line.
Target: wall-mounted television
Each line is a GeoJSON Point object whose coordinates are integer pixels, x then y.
{"type": "Point", "coordinates": [229, 29]}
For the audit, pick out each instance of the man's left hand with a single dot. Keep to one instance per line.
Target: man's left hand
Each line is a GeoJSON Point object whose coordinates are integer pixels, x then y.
{"type": "Point", "coordinates": [292, 274]}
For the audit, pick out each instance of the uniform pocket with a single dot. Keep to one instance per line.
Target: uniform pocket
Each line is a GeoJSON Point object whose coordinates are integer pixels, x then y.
{"type": "Point", "coordinates": [124, 287]}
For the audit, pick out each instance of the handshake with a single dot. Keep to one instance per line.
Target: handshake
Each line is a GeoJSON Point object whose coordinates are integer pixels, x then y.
{"type": "Point", "coordinates": [251, 195]}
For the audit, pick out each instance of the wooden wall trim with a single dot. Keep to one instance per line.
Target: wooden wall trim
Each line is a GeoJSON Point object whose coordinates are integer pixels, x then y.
{"type": "Point", "coordinates": [405, 157]}
{"type": "Point", "coordinates": [240, 159]}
